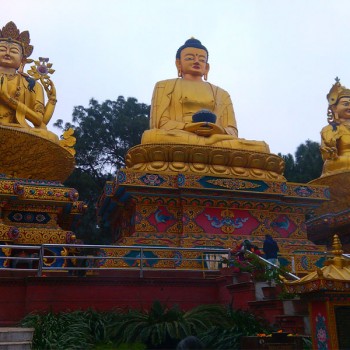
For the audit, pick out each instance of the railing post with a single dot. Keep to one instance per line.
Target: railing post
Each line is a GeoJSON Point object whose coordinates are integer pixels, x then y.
{"type": "Point", "coordinates": [41, 261]}
{"type": "Point", "coordinates": [141, 262]}
{"type": "Point", "coordinates": [293, 264]}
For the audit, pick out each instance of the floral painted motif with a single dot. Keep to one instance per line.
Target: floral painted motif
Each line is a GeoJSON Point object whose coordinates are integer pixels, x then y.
{"type": "Point", "coordinates": [304, 191]}
{"type": "Point", "coordinates": [321, 332]}
{"type": "Point", "coordinates": [152, 179]}
{"type": "Point", "coordinates": [228, 223]}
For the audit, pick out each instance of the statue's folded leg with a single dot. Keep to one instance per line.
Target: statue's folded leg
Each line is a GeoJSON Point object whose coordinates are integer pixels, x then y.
{"type": "Point", "coordinates": [154, 136]}
{"type": "Point", "coordinates": [247, 145]}
{"type": "Point", "coordinates": [172, 136]}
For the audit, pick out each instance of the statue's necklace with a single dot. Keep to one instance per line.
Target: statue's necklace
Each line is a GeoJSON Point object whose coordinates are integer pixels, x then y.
{"type": "Point", "coordinates": [18, 85]}
{"type": "Point", "coordinates": [9, 76]}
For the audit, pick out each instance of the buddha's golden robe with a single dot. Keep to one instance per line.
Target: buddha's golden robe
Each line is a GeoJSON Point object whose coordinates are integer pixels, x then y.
{"type": "Point", "coordinates": [175, 101]}
{"type": "Point", "coordinates": [31, 97]}
{"type": "Point", "coordinates": [338, 137]}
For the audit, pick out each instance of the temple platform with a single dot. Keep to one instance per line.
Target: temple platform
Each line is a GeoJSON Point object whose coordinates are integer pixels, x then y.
{"type": "Point", "coordinates": [193, 210]}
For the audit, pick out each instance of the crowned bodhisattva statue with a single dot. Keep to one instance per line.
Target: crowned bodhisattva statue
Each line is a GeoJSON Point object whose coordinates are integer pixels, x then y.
{"type": "Point", "coordinates": [335, 137]}
{"type": "Point", "coordinates": [335, 151]}
{"type": "Point", "coordinates": [21, 96]}
{"type": "Point", "coordinates": [27, 147]}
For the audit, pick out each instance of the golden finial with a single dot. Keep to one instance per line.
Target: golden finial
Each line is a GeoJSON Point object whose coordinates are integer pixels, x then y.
{"type": "Point", "coordinates": [337, 252]}
{"type": "Point", "coordinates": [337, 247]}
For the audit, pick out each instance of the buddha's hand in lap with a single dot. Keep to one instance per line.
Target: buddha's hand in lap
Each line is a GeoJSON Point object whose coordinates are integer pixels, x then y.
{"type": "Point", "coordinates": [329, 152]}
{"type": "Point", "coordinates": [204, 129]}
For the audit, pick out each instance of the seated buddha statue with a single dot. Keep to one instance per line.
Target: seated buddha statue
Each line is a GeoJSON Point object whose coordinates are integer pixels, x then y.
{"type": "Point", "coordinates": [22, 103]}
{"type": "Point", "coordinates": [176, 101]}
{"type": "Point", "coordinates": [335, 137]}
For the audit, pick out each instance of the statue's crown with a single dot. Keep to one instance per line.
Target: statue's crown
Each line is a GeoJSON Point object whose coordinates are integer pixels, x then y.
{"type": "Point", "coordinates": [336, 92]}
{"type": "Point", "coordinates": [11, 33]}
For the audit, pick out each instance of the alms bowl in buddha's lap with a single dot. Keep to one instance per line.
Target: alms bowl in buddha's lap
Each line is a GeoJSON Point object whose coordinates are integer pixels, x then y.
{"type": "Point", "coordinates": [204, 115]}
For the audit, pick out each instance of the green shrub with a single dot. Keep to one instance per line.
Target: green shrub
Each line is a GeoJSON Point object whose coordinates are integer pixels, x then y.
{"type": "Point", "coordinates": [159, 328]}
{"type": "Point", "coordinates": [58, 331]}
{"type": "Point", "coordinates": [236, 323]}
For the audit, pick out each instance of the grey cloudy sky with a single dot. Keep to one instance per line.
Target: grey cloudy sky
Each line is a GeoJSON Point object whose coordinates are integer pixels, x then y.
{"type": "Point", "coordinates": [276, 58]}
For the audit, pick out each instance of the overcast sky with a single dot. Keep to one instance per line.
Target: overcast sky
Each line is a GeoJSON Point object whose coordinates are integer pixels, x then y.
{"type": "Point", "coordinates": [276, 58]}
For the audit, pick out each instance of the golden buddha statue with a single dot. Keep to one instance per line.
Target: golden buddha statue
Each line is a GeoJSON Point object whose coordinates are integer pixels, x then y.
{"type": "Point", "coordinates": [335, 137]}
{"type": "Point", "coordinates": [193, 127]}
{"type": "Point", "coordinates": [175, 101]}
{"type": "Point", "coordinates": [27, 148]}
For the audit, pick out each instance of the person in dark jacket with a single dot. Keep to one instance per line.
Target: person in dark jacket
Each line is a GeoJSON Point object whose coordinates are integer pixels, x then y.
{"type": "Point", "coordinates": [271, 249]}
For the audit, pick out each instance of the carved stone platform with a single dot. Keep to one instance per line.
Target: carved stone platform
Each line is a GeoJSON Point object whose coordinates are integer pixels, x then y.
{"type": "Point", "coordinates": [34, 212]}
{"type": "Point", "coordinates": [205, 160]}
{"type": "Point", "coordinates": [333, 216]}
{"type": "Point", "coordinates": [27, 155]}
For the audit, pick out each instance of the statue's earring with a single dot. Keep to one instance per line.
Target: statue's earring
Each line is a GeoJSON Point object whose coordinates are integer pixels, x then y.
{"type": "Point", "coordinates": [179, 73]}
{"type": "Point", "coordinates": [205, 76]}
{"type": "Point", "coordinates": [21, 68]}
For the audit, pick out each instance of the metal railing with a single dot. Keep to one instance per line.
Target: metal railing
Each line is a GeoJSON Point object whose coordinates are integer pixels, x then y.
{"type": "Point", "coordinates": [20, 258]}
{"type": "Point", "coordinates": [273, 266]}
{"type": "Point", "coordinates": [37, 258]}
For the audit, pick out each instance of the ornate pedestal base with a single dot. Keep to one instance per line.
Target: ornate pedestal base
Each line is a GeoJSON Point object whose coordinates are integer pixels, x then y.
{"type": "Point", "coordinates": [34, 212]}
{"type": "Point", "coordinates": [333, 216]}
{"type": "Point", "coordinates": [191, 210]}
{"type": "Point", "coordinates": [205, 160]}
{"type": "Point", "coordinates": [30, 156]}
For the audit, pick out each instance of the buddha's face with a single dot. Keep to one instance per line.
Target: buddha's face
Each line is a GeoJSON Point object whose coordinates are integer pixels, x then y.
{"type": "Point", "coordinates": [193, 62]}
{"type": "Point", "coordinates": [10, 54]}
{"type": "Point", "coordinates": [342, 108]}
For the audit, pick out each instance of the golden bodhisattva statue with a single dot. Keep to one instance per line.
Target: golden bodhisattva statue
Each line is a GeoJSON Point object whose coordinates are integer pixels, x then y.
{"type": "Point", "coordinates": [21, 96]}
{"type": "Point", "coordinates": [27, 147]}
{"type": "Point", "coordinates": [193, 127]}
{"type": "Point", "coordinates": [335, 150]}
{"type": "Point", "coordinates": [335, 137]}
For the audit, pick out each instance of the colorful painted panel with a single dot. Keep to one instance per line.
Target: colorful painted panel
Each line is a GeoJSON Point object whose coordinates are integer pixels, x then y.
{"type": "Point", "coordinates": [215, 220]}
{"type": "Point", "coordinates": [283, 225]}
{"type": "Point", "coordinates": [29, 217]}
{"type": "Point", "coordinates": [151, 218]}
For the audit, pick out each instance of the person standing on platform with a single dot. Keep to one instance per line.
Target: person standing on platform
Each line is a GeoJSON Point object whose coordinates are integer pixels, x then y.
{"type": "Point", "coordinates": [271, 249]}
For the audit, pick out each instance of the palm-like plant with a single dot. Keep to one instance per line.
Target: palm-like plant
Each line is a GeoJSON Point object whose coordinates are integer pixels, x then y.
{"type": "Point", "coordinates": [163, 327]}
{"type": "Point", "coordinates": [237, 323]}
{"type": "Point", "coordinates": [59, 331]}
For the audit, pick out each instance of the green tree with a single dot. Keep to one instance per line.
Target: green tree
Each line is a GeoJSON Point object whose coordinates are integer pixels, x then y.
{"type": "Point", "coordinates": [104, 132]}
{"type": "Point", "coordinates": [307, 164]}
{"type": "Point", "coordinates": [289, 166]}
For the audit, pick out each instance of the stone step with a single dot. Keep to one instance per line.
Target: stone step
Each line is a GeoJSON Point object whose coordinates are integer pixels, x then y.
{"type": "Point", "coordinates": [16, 334]}
{"type": "Point", "coordinates": [24, 345]}
{"type": "Point", "coordinates": [296, 324]}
